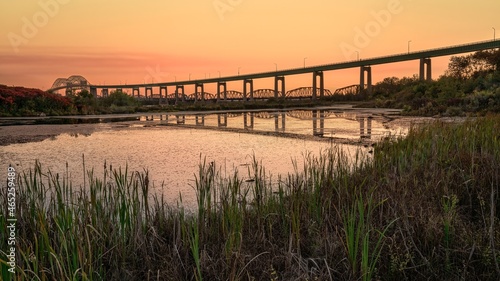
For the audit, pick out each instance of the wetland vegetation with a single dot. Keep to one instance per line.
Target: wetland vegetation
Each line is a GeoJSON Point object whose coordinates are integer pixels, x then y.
{"type": "Point", "coordinates": [421, 207]}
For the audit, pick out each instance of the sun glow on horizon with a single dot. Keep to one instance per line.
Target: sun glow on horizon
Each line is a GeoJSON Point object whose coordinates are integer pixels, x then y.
{"type": "Point", "coordinates": [117, 42]}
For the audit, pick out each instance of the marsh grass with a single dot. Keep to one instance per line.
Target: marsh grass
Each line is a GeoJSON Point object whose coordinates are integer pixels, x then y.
{"type": "Point", "coordinates": [420, 202]}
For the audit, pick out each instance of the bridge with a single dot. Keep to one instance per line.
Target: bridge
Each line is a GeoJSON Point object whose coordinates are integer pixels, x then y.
{"type": "Point", "coordinates": [279, 91]}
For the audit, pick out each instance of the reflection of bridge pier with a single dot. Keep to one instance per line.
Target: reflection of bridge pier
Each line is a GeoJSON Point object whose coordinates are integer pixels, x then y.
{"type": "Point", "coordinates": [200, 120]}
{"type": "Point", "coordinates": [277, 127]}
{"type": "Point", "coordinates": [245, 120]}
{"type": "Point", "coordinates": [181, 119]}
{"type": "Point", "coordinates": [318, 115]}
{"type": "Point", "coordinates": [222, 120]}
{"type": "Point", "coordinates": [361, 121]}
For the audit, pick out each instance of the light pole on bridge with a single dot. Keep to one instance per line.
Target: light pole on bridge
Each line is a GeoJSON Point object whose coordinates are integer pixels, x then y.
{"type": "Point", "coordinates": [239, 70]}
{"type": "Point", "coordinates": [305, 62]}
{"type": "Point", "coordinates": [189, 76]}
{"type": "Point", "coordinates": [409, 46]}
{"type": "Point", "coordinates": [276, 66]}
{"type": "Point", "coordinates": [357, 52]}
{"type": "Point", "coordinates": [219, 73]}
{"type": "Point", "coordinates": [494, 35]}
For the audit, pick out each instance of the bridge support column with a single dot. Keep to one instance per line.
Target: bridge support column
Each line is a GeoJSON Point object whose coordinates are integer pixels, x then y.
{"type": "Point", "coordinates": [93, 91]}
{"type": "Point", "coordinates": [134, 90]}
{"type": "Point", "coordinates": [250, 83]}
{"type": "Point", "coordinates": [245, 120]}
{"type": "Point", "coordinates": [425, 69]}
{"type": "Point", "coordinates": [181, 88]}
{"type": "Point", "coordinates": [202, 94]}
{"type": "Point", "coordinates": [163, 88]}
{"type": "Point", "coordinates": [368, 70]}
{"type": "Point", "coordinates": [317, 74]}
{"type": "Point", "coordinates": [278, 79]}
{"type": "Point", "coordinates": [222, 119]}
{"type": "Point", "coordinates": [104, 92]}
{"type": "Point", "coordinates": [223, 85]}
{"type": "Point", "coordinates": [119, 90]}
{"type": "Point", "coordinates": [150, 90]}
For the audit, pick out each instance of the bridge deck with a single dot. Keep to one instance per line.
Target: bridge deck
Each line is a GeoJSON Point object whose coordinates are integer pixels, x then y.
{"type": "Point", "coordinates": [444, 51]}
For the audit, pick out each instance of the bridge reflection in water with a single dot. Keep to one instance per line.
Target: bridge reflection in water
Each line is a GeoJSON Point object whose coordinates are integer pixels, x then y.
{"type": "Point", "coordinates": [329, 124]}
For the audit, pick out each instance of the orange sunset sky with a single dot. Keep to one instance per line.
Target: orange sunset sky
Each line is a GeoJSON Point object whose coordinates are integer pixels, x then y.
{"type": "Point", "coordinates": [127, 41]}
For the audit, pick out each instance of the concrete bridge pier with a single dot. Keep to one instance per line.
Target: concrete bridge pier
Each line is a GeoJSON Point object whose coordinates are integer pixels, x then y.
{"type": "Point", "coordinates": [222, 120]}
{"type": "Point", "coordinates": [316, 75]}
{"type": "Point", "coordinates": [368, 70]}
{"type": "Point", "coordinates": [150, 90]}
{"type": "Point", "coordinates": [277, 127]}
{"type": "Point", "coordinates": [250, 83]}
{"type": "Point", "coordinates": [202, 95]}
{"type": "Point", "coordinates": [93, 91]}
{"type": "Point", "coordinates": [104, 92]}
{"type": "Point", "coordinates": [181, 88]}
{"type": "Point", "coordinates": [245, 120]}
{"type": "Point", "coordinates": [200, 120]}
{"type": "Point", "coordinates": [425, 69]}
{"type": "Point", "coordinates": [134, 90]}
{"type": "Point", "coordinates": [163, 88]}
{"type": "Point", "coordinates": [224, 87]}
{"type": "Point", "coordinates": [277, 81]}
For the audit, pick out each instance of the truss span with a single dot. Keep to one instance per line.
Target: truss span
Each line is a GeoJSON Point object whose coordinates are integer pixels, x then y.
{"type": "Point", "coordinates": [306, 92]}
{"type": "Point", "coordinates": [348, 90]}
{"type": "Point", "coordinates": [232, 95]}
{"type": "Point", "coordinates": [264, 94]}
{"type": "Point", "coordinates": [205, 95]}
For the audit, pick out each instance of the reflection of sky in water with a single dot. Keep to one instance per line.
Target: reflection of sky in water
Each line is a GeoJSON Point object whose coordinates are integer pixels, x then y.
{"type": "Point", "coordinates": [172, 154]}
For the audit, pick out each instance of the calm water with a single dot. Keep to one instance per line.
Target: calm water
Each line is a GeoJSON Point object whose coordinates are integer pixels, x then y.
{"type": "Point", "coordinates": [172, 149]}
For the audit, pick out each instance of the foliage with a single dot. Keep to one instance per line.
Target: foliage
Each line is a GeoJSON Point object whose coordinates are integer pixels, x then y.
{"type": "Point", "coordinates": [84, 101]}
{"type": "Point", "coordinates": [19, 101]}
{"type": "Point", "coordinates": [470, 86]}
{"type": "Point", "coordinates": [118, 98]}
{"type": "Point", "coordinates": [423, 207]}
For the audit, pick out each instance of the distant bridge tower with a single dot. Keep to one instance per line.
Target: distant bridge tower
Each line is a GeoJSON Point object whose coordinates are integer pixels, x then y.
{"type": "Point", "coordinates": [74, 82]}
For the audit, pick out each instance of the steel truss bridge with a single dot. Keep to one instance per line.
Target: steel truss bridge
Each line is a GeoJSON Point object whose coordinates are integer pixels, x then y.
{"type": "Point", "coordinates": [317, 90]}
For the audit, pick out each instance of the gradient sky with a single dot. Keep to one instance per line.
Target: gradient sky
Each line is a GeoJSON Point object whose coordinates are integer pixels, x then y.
{"type": "Point", "coordinates": [128, 41]}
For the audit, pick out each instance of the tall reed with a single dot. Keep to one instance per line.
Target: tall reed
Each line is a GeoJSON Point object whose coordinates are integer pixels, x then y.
{"type": "Point", "coordinates": [420, 202]}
